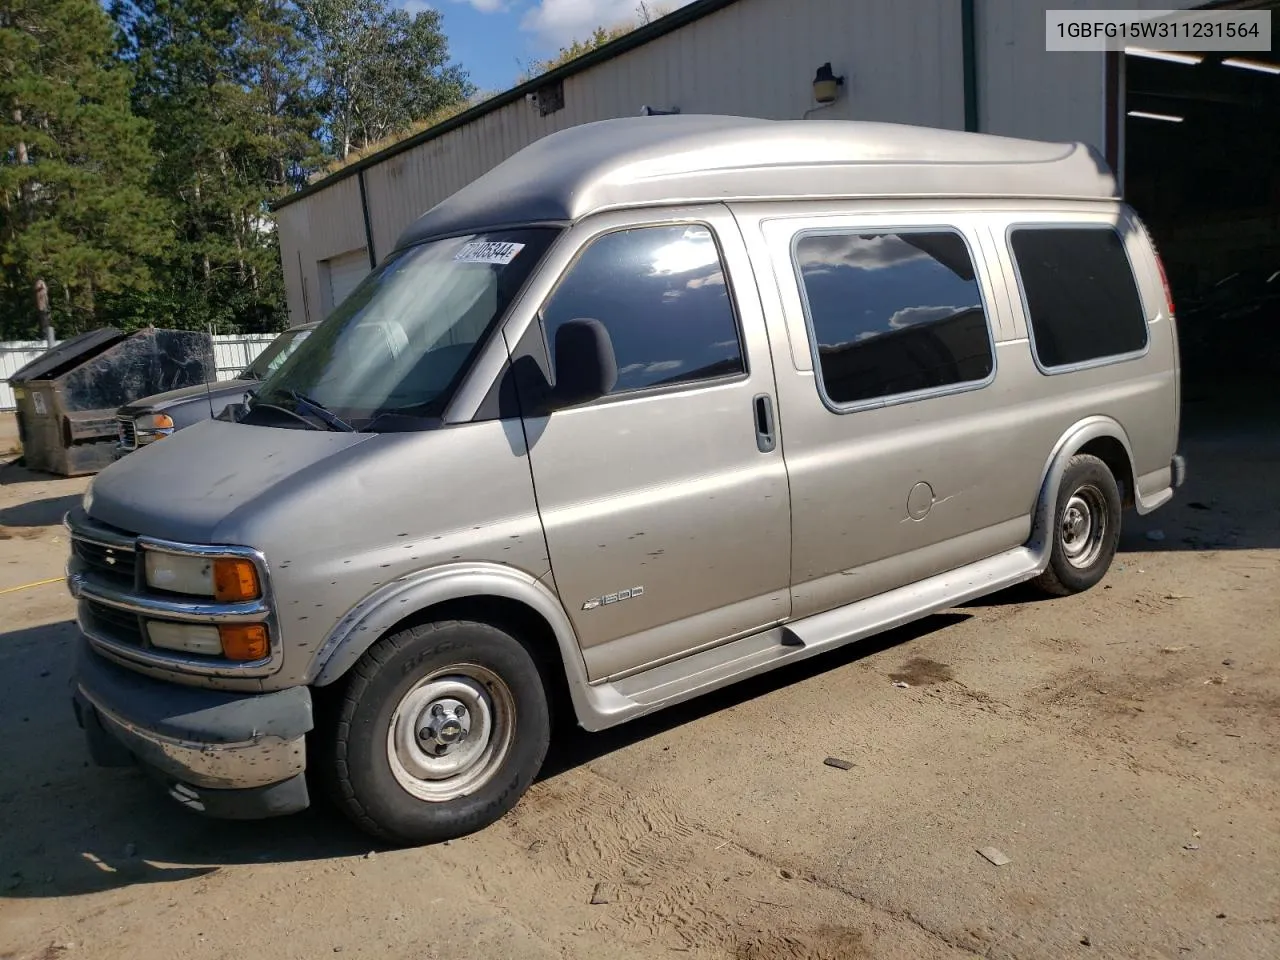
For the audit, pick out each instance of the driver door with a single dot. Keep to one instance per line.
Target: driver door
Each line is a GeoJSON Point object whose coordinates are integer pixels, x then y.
{"type": "Point", "coordinates": [665, 503]}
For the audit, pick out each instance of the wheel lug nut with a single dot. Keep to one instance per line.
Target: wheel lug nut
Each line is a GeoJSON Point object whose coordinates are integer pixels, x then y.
{"type": "Point", "coordinates": [425, 734]}
{"type": "Point", "coordinates": [437, 711]}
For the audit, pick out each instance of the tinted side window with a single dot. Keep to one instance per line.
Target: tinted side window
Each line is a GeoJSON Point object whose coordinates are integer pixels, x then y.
{"type": "Point", "coordinates": [1082, 301]}
{"type": "Point", "coordinates": [661, 293]}
{"type": "Point", "coordinates": [893, 313]}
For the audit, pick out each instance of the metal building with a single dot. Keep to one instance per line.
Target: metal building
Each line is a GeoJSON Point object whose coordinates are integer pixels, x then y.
{"type": "Point", "coordinates": [960, 64]}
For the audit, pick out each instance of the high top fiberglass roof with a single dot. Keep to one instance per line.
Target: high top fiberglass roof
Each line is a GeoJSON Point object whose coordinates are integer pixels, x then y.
{"type": "Point", "coordinates": [638, 161]}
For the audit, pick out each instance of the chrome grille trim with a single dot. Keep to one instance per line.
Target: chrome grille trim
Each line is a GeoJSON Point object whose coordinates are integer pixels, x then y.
{"type": "Point", "coordinates": [96, 587]}
{"type": "Point", "coordinates": [128, 433]}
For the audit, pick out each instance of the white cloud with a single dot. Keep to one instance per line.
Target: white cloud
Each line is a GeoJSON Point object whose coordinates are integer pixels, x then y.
{"type": "Point", "coordinates": [862, 253]}
{"type": "Point", "coordinates": [485, 6]}
{"type": "Point", "coordinates": [660, 366]}
{"type": "Point", "coordinates": [906, 317]}
{"type": "Point", "coordinates": [909, 316]}
{"type": "Point", "coordinates": [560, 22]}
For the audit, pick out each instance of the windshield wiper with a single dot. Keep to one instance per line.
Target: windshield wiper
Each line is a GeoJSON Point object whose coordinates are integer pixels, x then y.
{"type": "Point", "coordinates": [254, 402]}
{"type": "Point", "coordinates": [321, 411]}
{"type": "Point", "coordinates": [413, 411]}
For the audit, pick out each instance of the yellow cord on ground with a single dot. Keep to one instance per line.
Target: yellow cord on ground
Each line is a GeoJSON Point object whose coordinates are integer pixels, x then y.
{"type": "Point", "coordinates": [38, 583]}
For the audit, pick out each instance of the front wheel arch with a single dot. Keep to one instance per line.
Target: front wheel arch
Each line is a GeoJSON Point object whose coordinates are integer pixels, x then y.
{"type": "Point", "coordinates": [503, 597]}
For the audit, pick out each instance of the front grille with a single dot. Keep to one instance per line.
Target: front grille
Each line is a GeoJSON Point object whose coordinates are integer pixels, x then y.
{"type": "Point", "coordinates": [128, 433]}
{"type": "Point", "coordinates": [117, 563]}
{"type": "Point", "coordinates": [117, 625]}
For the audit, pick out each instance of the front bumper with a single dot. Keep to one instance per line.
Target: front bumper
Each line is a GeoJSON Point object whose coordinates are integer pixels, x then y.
{"type": "Point", "coordinates": [223, 754]}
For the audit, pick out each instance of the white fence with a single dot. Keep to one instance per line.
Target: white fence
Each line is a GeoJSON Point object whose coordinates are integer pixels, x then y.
{"type": "Point", "coordinates": [232, 353]}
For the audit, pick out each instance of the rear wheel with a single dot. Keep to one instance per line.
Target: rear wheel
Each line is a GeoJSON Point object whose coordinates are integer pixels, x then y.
{"type": "Point", "coordinates": [441, 730]}
{"type": "Point", "coordinates": [1086, 529]}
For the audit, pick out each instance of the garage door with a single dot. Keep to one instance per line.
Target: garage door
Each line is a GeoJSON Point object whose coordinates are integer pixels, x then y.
{"type": "Point", "coordinates": [344, 273]}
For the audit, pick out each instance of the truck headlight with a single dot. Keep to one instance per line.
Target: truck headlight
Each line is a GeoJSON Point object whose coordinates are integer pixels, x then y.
{"type": "Point", "coordinates": [226, 579]}
{"type": "Point", "coordinates": [86, 504]}
{"type": "Point", "coordinates": [152, 426]}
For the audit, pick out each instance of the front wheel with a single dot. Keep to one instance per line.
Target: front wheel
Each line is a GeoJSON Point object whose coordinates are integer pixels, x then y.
{"type": "Point", "coordinates": [1086, 530]}
{"type": "Point", "coordinates": [441, 730]}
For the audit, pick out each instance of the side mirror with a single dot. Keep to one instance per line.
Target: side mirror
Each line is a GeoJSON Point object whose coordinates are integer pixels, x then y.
{"type": "Point", "coordinates": [585, 366]}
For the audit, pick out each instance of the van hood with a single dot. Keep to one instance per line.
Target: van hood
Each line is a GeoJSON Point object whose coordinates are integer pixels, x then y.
{"type": "Point", "coordinates": [187, 486]}
{"type": "Point", "coordinates": [160, 402]}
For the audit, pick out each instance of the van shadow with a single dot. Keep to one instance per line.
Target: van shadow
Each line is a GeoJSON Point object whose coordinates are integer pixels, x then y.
{"type": "Point", "coordinates": [73, 829]}
{"type": "Point", "coordinates": [573, 747]}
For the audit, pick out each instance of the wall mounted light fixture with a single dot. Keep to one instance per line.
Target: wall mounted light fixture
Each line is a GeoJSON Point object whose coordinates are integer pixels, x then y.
{"type": "Point", "coordinates": [826, 85]}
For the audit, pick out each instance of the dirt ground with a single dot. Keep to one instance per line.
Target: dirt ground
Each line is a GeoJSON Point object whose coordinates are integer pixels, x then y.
{"type": "Point", "coordinates": [1120, 747]}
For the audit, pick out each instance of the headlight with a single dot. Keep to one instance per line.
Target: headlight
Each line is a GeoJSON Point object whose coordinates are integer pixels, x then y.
{"type": "Point", "coordinates": [168, 571]}
{"type": "Point", "coordinates": [153, 426]}
{"type": "Point", "coordinates": [87, 503]}
{"type": "Point", "coordinates": [226, 579]}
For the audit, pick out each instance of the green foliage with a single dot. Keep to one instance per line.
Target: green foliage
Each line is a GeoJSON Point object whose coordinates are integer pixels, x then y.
{"type": "Point", "coordinates": [75, 209]}
{"type": "Point", "coordinates": [139, 151]}
{"type": "Point", "coordinates": [644, 13]}
{"type": "Point", "coordinates": [378, 70]}
{"type": "Point", "coordinates": [224, 84]}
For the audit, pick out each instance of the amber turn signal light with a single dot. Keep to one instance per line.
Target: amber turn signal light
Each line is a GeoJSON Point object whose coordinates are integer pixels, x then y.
{"type": "Point", "coordinates": [235, 579]}
{"type": "Point", "coordinates": [244, 641]}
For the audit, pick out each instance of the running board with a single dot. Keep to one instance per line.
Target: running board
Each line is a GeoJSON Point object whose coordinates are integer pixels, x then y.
{"type": "Point", "coordinates": [671, 683]}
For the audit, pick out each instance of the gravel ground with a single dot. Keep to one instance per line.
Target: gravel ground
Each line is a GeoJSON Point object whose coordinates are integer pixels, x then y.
{"type": "Point", "coordinates": [1119, 748]}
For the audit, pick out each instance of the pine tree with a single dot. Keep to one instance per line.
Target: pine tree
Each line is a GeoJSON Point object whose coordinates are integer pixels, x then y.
{"type": "Point", "coordinates": [76, 217]}
{"type": "Point", "coordinates": [224, 83]}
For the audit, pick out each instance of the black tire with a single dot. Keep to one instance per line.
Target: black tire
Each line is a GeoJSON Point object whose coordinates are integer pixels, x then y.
{"type": "Point", "coordinates": [360, 771]}
{"type": "Point", "coordinates": [1078, 559]}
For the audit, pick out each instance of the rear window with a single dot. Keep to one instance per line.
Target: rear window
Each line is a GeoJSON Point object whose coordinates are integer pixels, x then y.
{"type": "Point", "coordinates": [1082, 302]}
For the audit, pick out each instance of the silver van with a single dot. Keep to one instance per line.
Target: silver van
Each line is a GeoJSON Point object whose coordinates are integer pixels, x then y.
{"type": "Point", "coordinates": [674, 401]}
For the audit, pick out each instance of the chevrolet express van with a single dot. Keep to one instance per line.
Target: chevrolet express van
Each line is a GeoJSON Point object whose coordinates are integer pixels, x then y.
{"type": "Point", "coordinates": [682, 399]}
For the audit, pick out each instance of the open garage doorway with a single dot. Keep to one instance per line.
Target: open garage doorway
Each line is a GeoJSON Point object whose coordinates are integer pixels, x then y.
{"type": "Point", "coordinates": [1202, 167]}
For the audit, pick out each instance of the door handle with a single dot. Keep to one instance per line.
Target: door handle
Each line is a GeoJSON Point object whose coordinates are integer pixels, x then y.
{"type": "Point", "coordinates": [766, 437]}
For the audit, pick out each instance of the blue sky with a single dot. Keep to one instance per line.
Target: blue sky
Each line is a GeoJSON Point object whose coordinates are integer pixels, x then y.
{"type": "Point", "coordinates": [495, 39]}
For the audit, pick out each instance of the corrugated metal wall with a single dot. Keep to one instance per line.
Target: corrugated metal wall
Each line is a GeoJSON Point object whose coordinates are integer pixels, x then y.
{"type": "Point", "coordinates": [901, 59]}
{"type": "Point", "coordinates": [1026, 91]}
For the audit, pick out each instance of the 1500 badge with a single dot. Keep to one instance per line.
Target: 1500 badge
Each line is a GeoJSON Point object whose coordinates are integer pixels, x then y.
{"type": "Point", "coordinates": [608, 598]}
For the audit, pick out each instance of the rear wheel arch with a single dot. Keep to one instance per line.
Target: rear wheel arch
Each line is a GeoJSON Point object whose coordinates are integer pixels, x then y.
{"type": "Point", "coordinates": [1097, 436]}
{"type": "Point", "coordinates": [1115, 454]}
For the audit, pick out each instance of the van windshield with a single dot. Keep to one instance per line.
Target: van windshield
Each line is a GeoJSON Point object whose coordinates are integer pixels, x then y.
{"type": "Point", "coordinates": [398, 345]}
{"type": "Point", "coordinates": [277, 352]}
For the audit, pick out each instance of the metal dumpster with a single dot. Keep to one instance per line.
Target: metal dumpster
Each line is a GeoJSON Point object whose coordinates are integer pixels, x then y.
{"type": "Point", "coordinates": [68, 396]}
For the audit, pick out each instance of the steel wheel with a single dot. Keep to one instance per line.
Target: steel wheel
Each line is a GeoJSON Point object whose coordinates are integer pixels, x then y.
{"type": "Point", "coordinates": [451, 732]}
{"type": "Point", "coordinates": [1084, 529]}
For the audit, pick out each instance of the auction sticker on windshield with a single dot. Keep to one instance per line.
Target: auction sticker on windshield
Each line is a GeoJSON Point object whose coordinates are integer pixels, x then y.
{"type": "Point", "coordinates": [488, 251]}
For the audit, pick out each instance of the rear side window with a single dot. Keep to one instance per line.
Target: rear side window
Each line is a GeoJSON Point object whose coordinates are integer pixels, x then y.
{"type": "Point", "coordinates": [893, 313]}
{"type": "Point", "coordinates": [661, 294]}
{"type": "Point", "coordinates": [1082, 302]}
